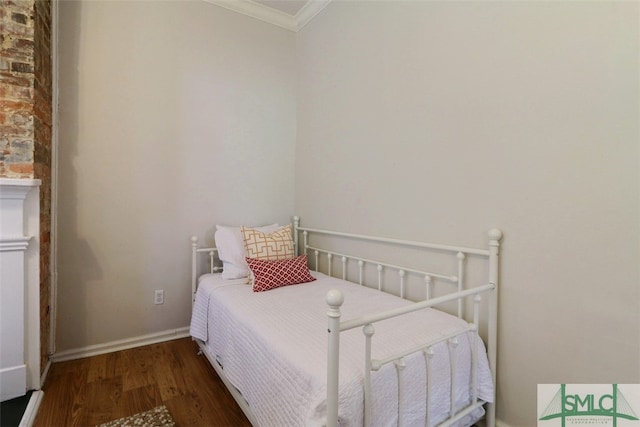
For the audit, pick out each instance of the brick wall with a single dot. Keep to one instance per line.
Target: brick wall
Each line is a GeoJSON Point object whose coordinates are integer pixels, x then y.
{"type": "Point", "coordinates": [16, 89]}
{"type": "Point", "coordinates": [25, 119]}
{"type": "Point", "coordinates": [42, 158]}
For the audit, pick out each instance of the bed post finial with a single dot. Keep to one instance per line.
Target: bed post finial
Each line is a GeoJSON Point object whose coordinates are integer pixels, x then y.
{"type": "Point", "coordinates": [335, 299]}
{"type": "Point", "coordinates": [494, 237]}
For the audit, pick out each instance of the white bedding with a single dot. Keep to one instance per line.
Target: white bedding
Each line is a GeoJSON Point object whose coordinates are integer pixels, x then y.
{"type": "Point", "coordinates": [269, 351]}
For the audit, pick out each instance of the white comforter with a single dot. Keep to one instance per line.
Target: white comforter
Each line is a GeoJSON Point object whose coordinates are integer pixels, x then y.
{"type": "Point", "coordinates": [273, 348]}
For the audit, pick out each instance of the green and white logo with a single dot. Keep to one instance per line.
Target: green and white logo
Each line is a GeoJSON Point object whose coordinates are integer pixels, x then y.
{"type": "Point", "coordinates": [588, 405]}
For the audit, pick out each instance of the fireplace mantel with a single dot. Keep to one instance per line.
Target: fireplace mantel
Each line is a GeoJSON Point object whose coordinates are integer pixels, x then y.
{"type": "Point", "coordinates": [19, 287]}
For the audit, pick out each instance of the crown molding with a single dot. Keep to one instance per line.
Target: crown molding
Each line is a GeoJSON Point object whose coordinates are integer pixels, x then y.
{"type": "Point", "coordinates": [258, 11]}
{"type": "Point", "coordinates": [309, 11]}
{"type": "Point", "coordinates": [273, 16]}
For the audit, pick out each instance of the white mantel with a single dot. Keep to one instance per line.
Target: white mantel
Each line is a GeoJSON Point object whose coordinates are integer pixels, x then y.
{"type": "Point", "coordinates": [19, 287]}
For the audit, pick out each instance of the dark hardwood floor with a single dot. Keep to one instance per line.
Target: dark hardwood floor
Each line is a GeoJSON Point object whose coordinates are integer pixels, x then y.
{"type": "Point", "coordinates": [94, 390]}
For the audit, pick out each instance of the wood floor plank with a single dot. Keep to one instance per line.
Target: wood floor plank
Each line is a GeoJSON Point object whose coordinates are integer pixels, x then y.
{"type": "Point", "coordinates": [188, 410]}
{"type": "Point", "coordinates": [166, 367]}
{"type": "Point", "coordinates": [69, 384]}
{"type": "Point", "coordinates": [99, 389]}
{"type": "Point", "coordinates": [140, 400]}
{"type": "Point", "coordinates": [103, 401]}
{"type": "Point", "coordinates": [67, 405]}
{"type": "Point", "coordinates": [97, 368]}
{"type": "Point", "coordinates": [139, 369]}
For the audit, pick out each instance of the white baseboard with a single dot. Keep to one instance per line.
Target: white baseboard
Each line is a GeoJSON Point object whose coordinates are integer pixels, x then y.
{"type": "Point", "coordinates": [30, 413]}
{"type": "Point", "coordinates": [110, 347]}
{"type": "Point", "coordinates": [13, 382]}
{"type": "Point", "coordinates": [45, 372]}
{"type": "Point", "coordinates": [500, 423]}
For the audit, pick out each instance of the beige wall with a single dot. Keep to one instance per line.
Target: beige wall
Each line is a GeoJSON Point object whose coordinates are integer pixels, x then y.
{"type": "Point", "coordinates": [174, 116]}
{"type": "Point", "coordinates": [440, 120]}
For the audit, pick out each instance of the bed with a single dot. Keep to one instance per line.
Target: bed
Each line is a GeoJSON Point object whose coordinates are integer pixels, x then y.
{"type": "Point", "coordinates": [338, 348]}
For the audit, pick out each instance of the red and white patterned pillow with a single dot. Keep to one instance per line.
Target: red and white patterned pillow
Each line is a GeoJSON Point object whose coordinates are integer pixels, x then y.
{"type": "Point", "coordinates": [267, 275]}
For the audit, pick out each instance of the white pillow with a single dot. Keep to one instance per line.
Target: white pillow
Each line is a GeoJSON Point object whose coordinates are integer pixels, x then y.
{"type": "Point", "coordinates": [232, 252]}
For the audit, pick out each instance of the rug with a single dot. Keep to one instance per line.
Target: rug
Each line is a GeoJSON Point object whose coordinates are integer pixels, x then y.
{"type": "Point", "coordinates": [157, 417]}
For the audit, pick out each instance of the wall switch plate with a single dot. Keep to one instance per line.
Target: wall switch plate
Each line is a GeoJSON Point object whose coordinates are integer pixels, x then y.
{"type": "Point", "coordinates": [158, 297]}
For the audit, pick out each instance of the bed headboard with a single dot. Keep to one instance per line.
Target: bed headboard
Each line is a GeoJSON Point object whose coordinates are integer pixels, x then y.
{"type": "Point", "coordinates": [195, 272]}
{"type": "Point", "coordinates": [456, 278]}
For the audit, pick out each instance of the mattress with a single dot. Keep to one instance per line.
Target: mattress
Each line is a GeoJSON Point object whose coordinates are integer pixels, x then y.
{"type": "Point", "coordinates": [272, 347]}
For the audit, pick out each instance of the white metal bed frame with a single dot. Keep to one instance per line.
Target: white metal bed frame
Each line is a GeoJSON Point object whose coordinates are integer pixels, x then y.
{"type": "Point", "coordinates": [335, 299]}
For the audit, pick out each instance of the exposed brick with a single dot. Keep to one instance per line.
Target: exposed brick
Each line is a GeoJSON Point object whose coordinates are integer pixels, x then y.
{"type": "Point", "coordinates": [16, 55]}
{"type": "Point", "coordinates": [22, 144]}
{"type": "Point", "coordinates": [12, 79]}
{"type": "Point", "coordinates": [19, 118]}
{"type": "Point", "coordinates": [21, 168]}
{"type": "Point", "coordinates": [42, 153]}
{"type": "Point", "coordinates": [15, 92]}
{"type": "Point", "coordinates": [16, 105]}
{"type": "Point", "coordinates": [20, 44]}
{"type": "Point", "coordinates": [42, 156]}
{"type": "Point", "coordinates": [20, 67]}
{"type": "Point", "coordinates": [20, 18]}
{"type": "Point", "coordinates": [11, 130]}
{"type": "Point", "coordinates": [14, 29]}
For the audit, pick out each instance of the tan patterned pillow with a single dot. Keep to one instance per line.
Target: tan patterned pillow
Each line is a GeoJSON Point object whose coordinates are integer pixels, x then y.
{"type": "Point", "coordinates": [268, 246]}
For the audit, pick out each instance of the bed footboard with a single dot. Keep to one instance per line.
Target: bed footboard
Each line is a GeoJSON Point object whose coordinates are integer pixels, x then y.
{"type": "Point", "coordinates": [336, 326]}
{"type": "Point", "coordinates": [335, 300]}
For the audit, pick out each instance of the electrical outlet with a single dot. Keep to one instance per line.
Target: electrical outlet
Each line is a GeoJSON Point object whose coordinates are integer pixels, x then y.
{"type": "Point", "coordinates": [158, 297]}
